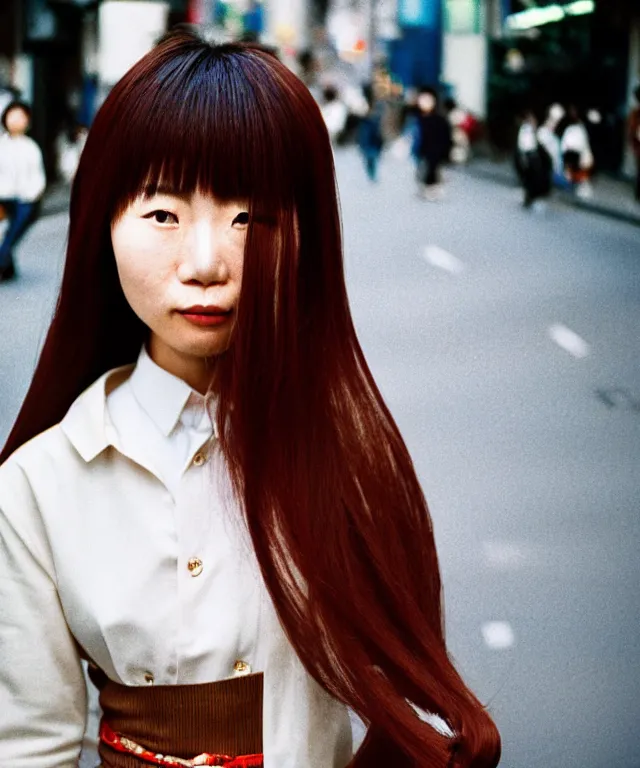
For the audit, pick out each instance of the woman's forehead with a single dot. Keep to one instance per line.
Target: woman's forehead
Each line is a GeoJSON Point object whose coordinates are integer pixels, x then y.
{"type": "Point", "coordinates": [178, 180]}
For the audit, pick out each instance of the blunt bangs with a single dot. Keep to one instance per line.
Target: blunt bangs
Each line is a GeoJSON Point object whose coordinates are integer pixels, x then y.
{"type": "Point", "coordinates": [209, 119]}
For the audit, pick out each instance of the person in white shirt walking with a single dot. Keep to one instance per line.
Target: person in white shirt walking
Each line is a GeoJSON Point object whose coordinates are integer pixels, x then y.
{"type": "Point", "coordinates": [550, 140]}
{"type": "Point", "coordinates": [334, 112]}
{"type": "Point", "coordinates": [576, 154]}
{"type": "Point", "coordinates": [533, 163]}
{"type": "Point", "coordinates": [204, 494]}
{"type": "Point", "coordinates": [22, 180]}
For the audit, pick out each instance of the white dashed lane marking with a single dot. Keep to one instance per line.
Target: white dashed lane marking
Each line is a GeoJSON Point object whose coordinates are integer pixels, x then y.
{"type": "Point", "coordinates": [498, 635]}
{"type": "Point", "coordinates": [438, 257]}
{"type": "Point", "coordinates": [503, 555]}
{"type": "Point", "coordinates": [569, 340]}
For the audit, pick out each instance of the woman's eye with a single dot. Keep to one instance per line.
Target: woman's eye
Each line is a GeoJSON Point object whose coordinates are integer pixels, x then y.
{"type": "Point", "coordinates": [242, 219]}
{"type": "Point", "coordinates": [162, 217]}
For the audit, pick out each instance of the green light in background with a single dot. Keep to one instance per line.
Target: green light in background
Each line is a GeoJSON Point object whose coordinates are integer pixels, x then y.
{"type": "Point", "coordinates": [538, 17]}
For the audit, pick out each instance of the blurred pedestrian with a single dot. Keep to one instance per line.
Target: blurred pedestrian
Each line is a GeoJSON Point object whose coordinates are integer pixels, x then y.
{"type": "Point", "coordinates": [549, 138]}
{"type": "Point", "coordinates": [533, 163]}
{"type": "Point", "coordinates": [22, 180]}
{"type": "Point", "coordinates": [599, 140]}
{"type": "Point", "coordinates": [461, 144]}
{"type": "Point", "coordinates": [334, 111]}
{"type": "Point", "coordinates": [370, 138]}
{"type": "Point", "coordinates": [69, 145]}
{"type": "Point", "coordinates": [433, 145]}
{"type": "Point", "coordinates": [634, 138]}
{"type": "Point", "coordinates": [577, 156]}
{"type": "Point", "coordinates": [200, 494]}
{"type": "Point", "coordinates": [7, 94]}
{"type": "Point", "coordinates": [405, 145]}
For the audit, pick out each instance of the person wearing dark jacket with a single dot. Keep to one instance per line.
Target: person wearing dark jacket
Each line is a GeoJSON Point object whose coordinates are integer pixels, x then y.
{"type": "Point", "coordinates": [433, 143]}
{"type": "Point", "coordinates": [370, 138]}
{"type": "Point", "coordinates": [533, 163]}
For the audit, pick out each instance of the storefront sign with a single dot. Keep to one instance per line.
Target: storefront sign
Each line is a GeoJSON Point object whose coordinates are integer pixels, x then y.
{"type": "Point", "coordinates": [419, 13]}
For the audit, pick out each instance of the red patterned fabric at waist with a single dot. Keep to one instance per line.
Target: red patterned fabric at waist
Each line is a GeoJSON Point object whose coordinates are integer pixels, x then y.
{"type": "Point", "coordinates": [122, 744]}
{"type": "Point", "coordinates": [218, 723]}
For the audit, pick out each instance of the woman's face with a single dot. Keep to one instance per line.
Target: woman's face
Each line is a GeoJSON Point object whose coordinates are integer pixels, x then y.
{"type": "Point", "coordinates": [17, 121]}
{"type": "Point", "coordinates": [180, 262]}
{"type": "Point", "coordinates": [426, 102]}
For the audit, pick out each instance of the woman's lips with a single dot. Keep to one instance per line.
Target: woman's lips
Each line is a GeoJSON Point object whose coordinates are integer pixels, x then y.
{"type": "Point", "coordinates": [206, 316]}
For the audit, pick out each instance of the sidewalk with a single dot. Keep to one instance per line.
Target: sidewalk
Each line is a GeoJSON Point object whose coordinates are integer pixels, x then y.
{"type": "Point", "coordinates": [611, 197]}
{"type": "Point", "coordinates": [56, 199]}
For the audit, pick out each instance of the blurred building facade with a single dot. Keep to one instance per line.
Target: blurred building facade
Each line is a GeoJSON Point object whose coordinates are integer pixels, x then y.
{"type": "Point", "coordinates": [62, 54]}
{"type": "Point", "coordinates": [581, 52]}
{"type": "Point", "coordinates": [498, 57]}
{"type": "Point", "coordinates": [494, 56]}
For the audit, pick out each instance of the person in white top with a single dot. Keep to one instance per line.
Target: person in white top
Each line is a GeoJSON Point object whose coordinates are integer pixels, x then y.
{"type": "Point", "coordinates": [576, 154]}
{"type": "Point", "coordinates": [22, 180]}
{"type": "Point", "coordinates": [548, 137]}
{"type": "Point", "coordinates": [334, 112]}
{"type": "Point", "coordinates": [204, 495]}
{"type": "Point", "coordinates": [533, 163]}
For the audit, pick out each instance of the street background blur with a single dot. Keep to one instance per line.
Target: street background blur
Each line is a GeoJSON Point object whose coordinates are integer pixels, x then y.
{"type": "Point", "coordinates": [501, 323]}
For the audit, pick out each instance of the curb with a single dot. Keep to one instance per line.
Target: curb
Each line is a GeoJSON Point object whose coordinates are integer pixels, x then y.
{"type": "Point", "coordinates": [601, 210]}
{"type": "Point", "coordinates": [564, 197]}
{"type": "Point", "coordinates": [53, 210]}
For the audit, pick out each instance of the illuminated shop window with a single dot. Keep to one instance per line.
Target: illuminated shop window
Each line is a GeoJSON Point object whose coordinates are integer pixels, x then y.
{"type": "Point", "coordinates": [463, 17]}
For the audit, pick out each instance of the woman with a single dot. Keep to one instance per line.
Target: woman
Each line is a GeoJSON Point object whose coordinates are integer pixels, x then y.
{"type": "Point", "coordinates": [370, 138]}
{"type": "Point", "coordinates": [533, 163]}
{"type": "Point", "coordinates": [434, 144]}
{"type": "Point", "coordinates": [334, 112]}
{"type": "Point", "coordinates": [22, 180]}
{"type": "Point", "coordinates": [238, 581]}
{"type": "Point", "coordinates": [576, 154]}
{"type": "Point", "coordinates": [550, 140]}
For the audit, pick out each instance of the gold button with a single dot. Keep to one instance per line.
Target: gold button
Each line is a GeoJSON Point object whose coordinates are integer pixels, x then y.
{"type": "Point", "coordinates": [195, 566]}
{"type": "Point", "coordinates": [148, 678]}
{"type": "Point", "coordinates": [199, 459]}
{"type": "Point", "coordinates": [241, 667]}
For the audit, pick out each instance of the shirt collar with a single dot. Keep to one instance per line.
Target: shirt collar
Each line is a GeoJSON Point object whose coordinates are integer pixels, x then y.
{"type": "Point", "coordinates": [161, 395]}
{"type": "Point", "coordinates": [86, 424]}
{"type": "Point", "coordinates": [165, 398]}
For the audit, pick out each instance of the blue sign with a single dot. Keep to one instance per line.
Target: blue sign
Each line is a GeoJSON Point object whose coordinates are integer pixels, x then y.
{"type": "Point", "coordinates": [419, 13]}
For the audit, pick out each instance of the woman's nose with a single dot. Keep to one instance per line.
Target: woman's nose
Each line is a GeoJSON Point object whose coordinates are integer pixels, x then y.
{"type": "Point", "coordinates": [205, 255]}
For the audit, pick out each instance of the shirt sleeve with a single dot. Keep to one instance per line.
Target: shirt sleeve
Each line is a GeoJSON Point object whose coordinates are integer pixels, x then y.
{"type": "Point", "coordinates": [35, 180]}
{"type": "Point", "coordinates": [42, 688]}
{"type": "Point", "coordinates": [6, 177]}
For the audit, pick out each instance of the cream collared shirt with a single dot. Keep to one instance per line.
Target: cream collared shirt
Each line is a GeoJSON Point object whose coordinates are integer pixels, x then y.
{"type": "Point", "coordinates": [118, 528]}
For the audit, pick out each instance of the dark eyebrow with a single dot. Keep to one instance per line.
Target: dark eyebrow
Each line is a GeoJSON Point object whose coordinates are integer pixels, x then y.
{"type": "Point", "coordinates": [164, 189]}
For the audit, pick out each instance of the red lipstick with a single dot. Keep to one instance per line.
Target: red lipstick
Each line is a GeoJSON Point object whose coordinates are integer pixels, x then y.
{"type": "Point", "coordinates": [206, 316]}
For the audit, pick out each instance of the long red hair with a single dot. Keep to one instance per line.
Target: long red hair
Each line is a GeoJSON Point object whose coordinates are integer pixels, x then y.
{"type": "Point", "coordinates": [337, 516]}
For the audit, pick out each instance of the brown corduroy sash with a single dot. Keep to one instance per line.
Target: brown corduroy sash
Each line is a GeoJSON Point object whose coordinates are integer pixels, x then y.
{"type": "Point", "coordinates": [224, 717]}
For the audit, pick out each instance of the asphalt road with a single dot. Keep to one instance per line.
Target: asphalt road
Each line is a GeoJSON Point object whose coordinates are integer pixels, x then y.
{"type": "Point", "coordinates": [506, 344]}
